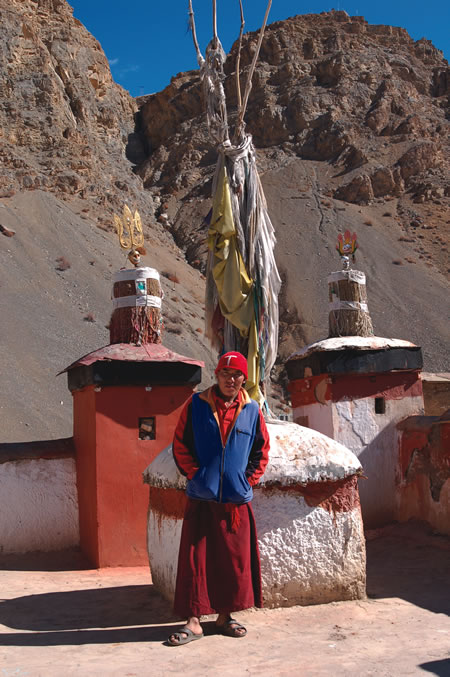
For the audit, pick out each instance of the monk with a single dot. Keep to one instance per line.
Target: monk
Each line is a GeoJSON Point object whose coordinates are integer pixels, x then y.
{"type": "Point", "coordinates": [221, 445]}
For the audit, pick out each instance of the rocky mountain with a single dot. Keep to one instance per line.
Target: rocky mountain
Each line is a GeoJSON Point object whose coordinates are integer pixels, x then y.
{"type": "Point", "coordinates": [67, 127]}
{"type": "Point", "coordinates": [68, 149]}
{"type": "Point", "coordinates": [351, 125]}
{"type": "Point", "coordinates": [350, 122]}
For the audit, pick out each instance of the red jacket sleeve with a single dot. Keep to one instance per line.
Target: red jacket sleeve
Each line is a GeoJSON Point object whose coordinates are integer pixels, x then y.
{"type": "Point", "coordinates": [259, 454]}
{"type": "Point", "coordinates": [183, 444]}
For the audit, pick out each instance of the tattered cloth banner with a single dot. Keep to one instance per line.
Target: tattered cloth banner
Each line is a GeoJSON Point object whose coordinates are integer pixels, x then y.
{"type": "Point", "coordinates": [348, 305]}
{"type": "Point", "coordinates": [242, 283]}
{"type": "Point", "coordinates": [136, 274]}
{"type": "Point", "coordinates": [242, 306]}
{"type": "Point", "coordinates": [141, 300]}
{"type": "Point", "coordinates": [350, 275]}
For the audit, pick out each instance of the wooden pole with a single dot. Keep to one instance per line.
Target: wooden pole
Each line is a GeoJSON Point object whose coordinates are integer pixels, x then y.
{"type": "Point", "coordinates": [248, 84]}
{"type": "Point", "coordinates": [215, 22]}
{"type": "Point", "coordinates": [200, 58]}
{"type": "Point", "coordinates": [238, 59]}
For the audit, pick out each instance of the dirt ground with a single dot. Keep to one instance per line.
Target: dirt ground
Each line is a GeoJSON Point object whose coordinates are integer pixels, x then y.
{"type": "Point", "coordinates": [47, 309]}
{"type": "Point", "coordinates": [58, 617]}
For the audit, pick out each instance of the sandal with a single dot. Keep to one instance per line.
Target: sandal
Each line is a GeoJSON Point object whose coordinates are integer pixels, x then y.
{"type": "Point", "coordinates": [190, 637]}
{"type": "Point", "coordinates": [229, 628]}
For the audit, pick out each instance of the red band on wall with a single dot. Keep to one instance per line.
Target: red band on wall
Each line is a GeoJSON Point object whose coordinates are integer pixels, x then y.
{"type": "Point", "coordinates": [325, 388]}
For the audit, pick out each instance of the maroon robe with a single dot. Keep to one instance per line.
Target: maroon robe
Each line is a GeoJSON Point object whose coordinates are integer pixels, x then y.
{"type": "Point", "coordinates": [218, 570]}
{"type": "Point", "coordinates": [218, 563]}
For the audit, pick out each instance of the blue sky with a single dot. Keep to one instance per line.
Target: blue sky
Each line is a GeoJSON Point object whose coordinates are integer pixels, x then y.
{"type": "Point", "coordinates": [147, 41]}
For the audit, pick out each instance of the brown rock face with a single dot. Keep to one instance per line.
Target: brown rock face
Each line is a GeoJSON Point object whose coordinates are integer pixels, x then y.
{"type": "Point", "coordinates": [330, 88]}
{"type": "Point", "coordinates": [359, 190]}
{"type": "Point", "coordinates": [383, 182]}
{"type": "Point", "coordinates": [67, 126]}
{"type": "Point", "coordinates": [350, 125]}
{"type": "Point", "coordinates": [419, 158]}
{"type": "Point", "coordinates": [67, 148]}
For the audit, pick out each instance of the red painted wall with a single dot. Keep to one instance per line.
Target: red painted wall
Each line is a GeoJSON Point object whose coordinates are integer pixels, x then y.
{"type": "Point", "coordinates": [110, 461]}
{"type": "Point", "coordinates": [84, 436]}
{"type": "Point", "coordinates": [326, 387]}
{"type": "Point", "coordinates": [424, 471]}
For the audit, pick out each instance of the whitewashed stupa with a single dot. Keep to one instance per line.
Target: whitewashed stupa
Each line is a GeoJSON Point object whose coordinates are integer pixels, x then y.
{"type": "Point", "coordinates": [308, 516]}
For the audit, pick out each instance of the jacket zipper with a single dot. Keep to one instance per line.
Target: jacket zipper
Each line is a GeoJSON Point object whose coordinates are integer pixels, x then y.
{"type": "Point", "coordinates": [222, 464]}
{"type": "Point", "coordinates": [221, 474]}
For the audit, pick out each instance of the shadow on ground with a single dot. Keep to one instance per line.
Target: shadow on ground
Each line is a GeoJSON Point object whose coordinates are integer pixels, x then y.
{"type": "Point", "coordinates": [406, 561]}
{"type": "Point", "coordinates": [93, 616]}
{"type": "Point", "coordinates": [127, 605]}
{"type": "Point", "coordinates": [78, 637]}
{"type": "Point", "coordinates": [149, 633]}
{"type": "Point", "coordinates": [71, 559]}
{"type": "Point", "coordinates": [412, 562]}
{"type": "Point", "coordinates": [439, 668]}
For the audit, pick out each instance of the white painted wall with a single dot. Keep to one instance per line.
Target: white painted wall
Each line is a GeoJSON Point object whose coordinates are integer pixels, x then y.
{"type": "Point", "coordinates": [308, 556]}
{"type": "Point", "coordinates": [373, 438]}
{"type": "Point", "coordinates": [320, 417]}
{"type": "Point", "coordinates": [39, 505]}
{"type": "Point", "coordinates": [164, 535]}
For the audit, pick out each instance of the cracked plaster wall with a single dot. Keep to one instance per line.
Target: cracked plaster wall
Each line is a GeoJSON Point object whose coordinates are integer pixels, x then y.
{"type": "Point", "coordinates": [373, 438]}
{"type": "Point", "coordinates": [318, 417]}
{"type": "Point", "coordinates": [308, 554]}
{"type": "Point", "coordinates": [423, 482]}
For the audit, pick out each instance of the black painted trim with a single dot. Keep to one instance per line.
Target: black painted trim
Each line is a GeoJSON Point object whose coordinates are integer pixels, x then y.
{"type": "Point", "coordinates": [116, 373]}
{"type": "Point", "coordinates": [355, 362]}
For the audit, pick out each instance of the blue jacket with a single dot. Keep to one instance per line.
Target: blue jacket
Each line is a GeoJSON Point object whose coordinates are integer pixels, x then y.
{"type": "Point", "coordinates": [223, 469]}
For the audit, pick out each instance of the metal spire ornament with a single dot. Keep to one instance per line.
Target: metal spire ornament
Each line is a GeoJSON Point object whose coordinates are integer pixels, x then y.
{"type": "Point", "coordinates": [131, 235]}
{"type": "Point", "coordinates": [346, 247]}
{"type": "Point", "coordinates": [136, 294]}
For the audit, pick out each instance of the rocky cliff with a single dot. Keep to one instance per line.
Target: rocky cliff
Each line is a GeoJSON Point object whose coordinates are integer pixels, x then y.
{"type": "Point", "coordinates": [68, 149]}
{"type": "Point", "coordinates": [366, 101]}
{"type": "Point", "coordinates": [66, 126]}
{"type": "Point", "coordinates": [351, 126]}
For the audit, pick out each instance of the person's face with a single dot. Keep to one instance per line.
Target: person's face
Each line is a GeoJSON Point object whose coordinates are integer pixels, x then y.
{"type": "Point", "coordinates": [229, 382]}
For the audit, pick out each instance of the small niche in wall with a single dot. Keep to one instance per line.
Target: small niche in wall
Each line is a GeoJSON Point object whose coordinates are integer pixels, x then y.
{"type": "Point", "coordinates": [147, 428]}
{"type": "Point", "coordinates": [380, 405]}
{"type": "Point", "coordinates": [301, 420]}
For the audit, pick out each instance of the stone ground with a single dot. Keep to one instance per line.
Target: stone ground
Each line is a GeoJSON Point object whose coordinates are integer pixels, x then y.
{"type": "Point", "coordinates": [58, 617]}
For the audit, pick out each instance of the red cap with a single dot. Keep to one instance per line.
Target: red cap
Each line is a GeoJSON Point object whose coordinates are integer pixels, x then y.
{"type": "Point", "coordinates": [233, 360]}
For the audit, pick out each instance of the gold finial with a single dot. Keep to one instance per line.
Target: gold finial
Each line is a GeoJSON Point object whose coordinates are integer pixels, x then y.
{"type": "Point", "coordinates": [346, 248]}
{"type": "Point", "coordinates": [130, 233]}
